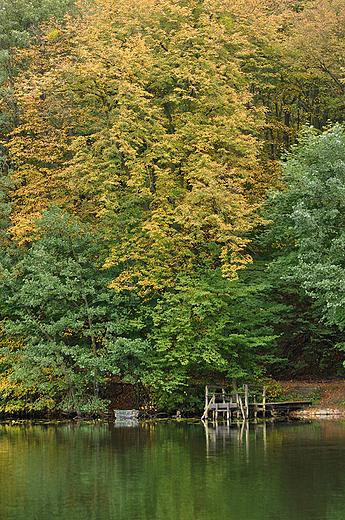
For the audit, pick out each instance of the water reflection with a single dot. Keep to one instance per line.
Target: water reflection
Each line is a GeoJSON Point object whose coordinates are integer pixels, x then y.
{"type": "Point", "coordinates": [172, 471]}
{"type": "Point", "coordinates": [220, 434]}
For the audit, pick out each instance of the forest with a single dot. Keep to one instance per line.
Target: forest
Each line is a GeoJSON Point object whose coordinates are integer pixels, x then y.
{"type": "Point", "coordinates": [172, 209]}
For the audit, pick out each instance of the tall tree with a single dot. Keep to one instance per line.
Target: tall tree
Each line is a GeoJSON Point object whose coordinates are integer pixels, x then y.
{"type": "Point", "coordinates": [208, 329]}
{"type": "Point", "coordinates": [293, 61]}
{"type": "Point", "coordinates": [19, 22]}
{"type": "Point", "coordinates": [57, 305]}
{"type": "Point", "coordinates": [307, 231]}
{"type": "Point", "coordinates": [161, 138]}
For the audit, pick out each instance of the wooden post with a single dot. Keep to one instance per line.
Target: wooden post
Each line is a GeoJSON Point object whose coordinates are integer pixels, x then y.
{"type": "Point", "coordinates": [239, 398]}
{"type": "Point", "coordinates": [207, 407]}
{"type": "Point", "coordinates": [246, 400]}
{"type": "Point", "coordinates": [264, 402]}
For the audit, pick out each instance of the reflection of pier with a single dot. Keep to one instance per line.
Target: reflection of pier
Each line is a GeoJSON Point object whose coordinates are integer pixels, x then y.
{"type": "Point", "coordinates": [220, 434]}
{"type": "Point", "coordinates": [250, 401]}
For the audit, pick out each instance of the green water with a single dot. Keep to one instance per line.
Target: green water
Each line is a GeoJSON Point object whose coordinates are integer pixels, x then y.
{"type": "Point", "coordinates": [172, 471]}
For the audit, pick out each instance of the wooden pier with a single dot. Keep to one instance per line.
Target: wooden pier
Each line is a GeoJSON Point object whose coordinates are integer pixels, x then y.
{"type": "Point", "coordinates": [285, 407]}
{"type": "Point", "coordinates": [249, 401]}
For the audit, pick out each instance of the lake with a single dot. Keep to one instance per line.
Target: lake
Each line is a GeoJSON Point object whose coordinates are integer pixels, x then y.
{"type": "Point", "coordinates": [170, 470]}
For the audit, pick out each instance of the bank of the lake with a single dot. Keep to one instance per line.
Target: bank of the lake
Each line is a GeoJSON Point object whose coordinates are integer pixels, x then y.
{"type": "Point", "coordinates": [327, 396]}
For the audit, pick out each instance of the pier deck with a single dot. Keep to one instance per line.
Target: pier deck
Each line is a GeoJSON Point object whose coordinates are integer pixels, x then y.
{"type": "Point", "coordinates": [285, 407]}
{"type": "Point", "coordinates": [248, 401]}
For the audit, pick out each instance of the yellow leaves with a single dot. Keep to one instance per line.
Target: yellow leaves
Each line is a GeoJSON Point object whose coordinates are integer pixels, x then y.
{"type": "Point", "coordinates": [68, 332]}
{"type": "Point", "coordinates": [12, 344]}
{"type": "Point", "coordinates": [139, 110]}
{"type": "Point", "coordinates": [16, 391]}
{"type": "Point", "coordinates": [187, 190]}
{"type": "Point", "coordinates": [319, 33]}
{"type": "Point", "coordinates": [233, 261]}
{"type": "Point", "coordinates": [7, 386]}
{"type": "Point", "coordinates": [53, 34]}
{"type": "Point", "coordinates": [72, 333]}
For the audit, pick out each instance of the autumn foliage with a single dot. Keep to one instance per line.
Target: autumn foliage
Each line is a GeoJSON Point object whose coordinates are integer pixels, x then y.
{"type": "Point", "coordinates": [157, 126]}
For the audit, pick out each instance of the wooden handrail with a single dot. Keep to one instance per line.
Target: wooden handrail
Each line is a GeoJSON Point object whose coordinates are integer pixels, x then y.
{"type": "Point", "coordinates": [224, 397]}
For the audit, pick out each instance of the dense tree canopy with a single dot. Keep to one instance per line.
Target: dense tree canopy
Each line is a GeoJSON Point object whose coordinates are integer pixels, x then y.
{"type": "Point", "coordinates": [309, 221]}
{"type": "Point", "coordinates": [56, 300]}
{"type": "Point", "coordinates": [142, 198]}
{"type": "Point", "coordinates": [152, 132]}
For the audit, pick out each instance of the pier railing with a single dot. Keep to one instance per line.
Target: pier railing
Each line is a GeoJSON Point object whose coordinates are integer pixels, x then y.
{"type": "Point", "coordinates": [246, 400]}
{"type": "Point", "coordinates": [254, 399]}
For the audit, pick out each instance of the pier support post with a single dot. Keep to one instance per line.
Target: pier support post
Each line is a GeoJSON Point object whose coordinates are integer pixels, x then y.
{"type": "Point", "coordinates": [246, 400]}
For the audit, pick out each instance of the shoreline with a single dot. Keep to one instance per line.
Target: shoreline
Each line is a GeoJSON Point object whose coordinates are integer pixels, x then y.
{"type": "Point", "coordinates": [318, 413]}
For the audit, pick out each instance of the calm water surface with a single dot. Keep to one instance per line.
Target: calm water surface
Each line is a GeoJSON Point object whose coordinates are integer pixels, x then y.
{"type": "Point", "coordinates": [172, 471]}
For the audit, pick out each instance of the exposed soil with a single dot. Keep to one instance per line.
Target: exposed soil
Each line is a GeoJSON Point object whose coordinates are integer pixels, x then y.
{"type": "Point", "coordinates": [328, 396]}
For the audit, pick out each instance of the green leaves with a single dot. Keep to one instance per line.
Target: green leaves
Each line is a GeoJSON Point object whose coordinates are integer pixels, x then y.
{"type": "Point", "coordinates": [56, 299]}
{"type": "Point", "coordinates": [206, 329]}
{"type": "Point", "coordinates": [313, 218]}
{"type": "Point", "coordinates": [138, 118]}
